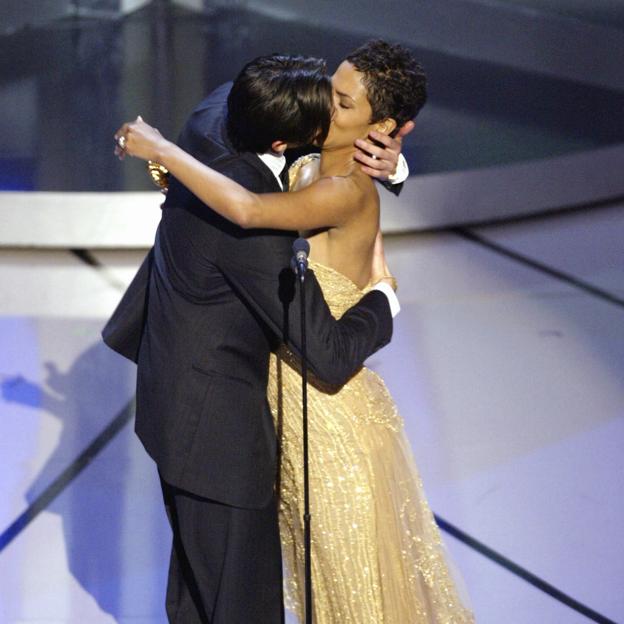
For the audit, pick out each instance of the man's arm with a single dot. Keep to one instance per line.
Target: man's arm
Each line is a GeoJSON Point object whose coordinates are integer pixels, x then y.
{"type": "Point", "coordinates": [257, 267]}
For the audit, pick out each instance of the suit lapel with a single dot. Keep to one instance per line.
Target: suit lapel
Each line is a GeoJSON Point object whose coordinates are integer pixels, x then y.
{"type": "Point", "coordinates": [267, 174]}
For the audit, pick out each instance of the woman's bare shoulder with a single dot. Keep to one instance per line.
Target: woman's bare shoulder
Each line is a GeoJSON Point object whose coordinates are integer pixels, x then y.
{"type": "Point", "coordinates": [356, 191]}
{"type": "Point", "coordinates": [365, 185]}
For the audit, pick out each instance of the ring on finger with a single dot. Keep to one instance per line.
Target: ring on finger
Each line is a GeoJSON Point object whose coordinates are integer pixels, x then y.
{"type": "Point", "coordinates": [121, 141]}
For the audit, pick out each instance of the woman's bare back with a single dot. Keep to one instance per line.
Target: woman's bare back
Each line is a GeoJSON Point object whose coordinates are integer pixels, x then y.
{"type": "Point", "coordinates": [348, 248]}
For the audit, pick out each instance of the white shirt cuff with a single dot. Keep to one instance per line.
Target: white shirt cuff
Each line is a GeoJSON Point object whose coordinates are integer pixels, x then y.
{"type": "Point", "coordinates": [402, 171]}
{"type": "Point", "coordinates": [393, 300]}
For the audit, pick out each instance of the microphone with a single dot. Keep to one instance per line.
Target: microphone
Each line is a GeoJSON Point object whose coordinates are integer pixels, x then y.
{"type": "Point", "coordinates": [299, 262]}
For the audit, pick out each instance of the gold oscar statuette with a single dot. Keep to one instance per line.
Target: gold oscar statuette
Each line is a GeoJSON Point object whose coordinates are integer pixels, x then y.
{"type": "Point", "coordinates": [159, 174]}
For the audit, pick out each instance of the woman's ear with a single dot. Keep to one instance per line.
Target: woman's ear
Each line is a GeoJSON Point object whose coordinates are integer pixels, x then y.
{"type": "Point", "coordinates": [386, 126]}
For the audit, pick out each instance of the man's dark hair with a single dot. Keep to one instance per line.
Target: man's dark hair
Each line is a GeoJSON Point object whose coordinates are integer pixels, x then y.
{"type": "Point", "coordinates": [285, 98]}
{"type": "Point", "coordinates": [395, 82]}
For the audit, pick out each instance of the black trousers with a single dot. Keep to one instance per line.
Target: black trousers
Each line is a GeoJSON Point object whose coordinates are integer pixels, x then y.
{"type": "Point", "coordinates": [225, 563]}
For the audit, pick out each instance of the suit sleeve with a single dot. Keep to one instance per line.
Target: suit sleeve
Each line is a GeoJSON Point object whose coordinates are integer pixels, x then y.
{"type": "Point", "coordinates": [257, 268]}
{"type": "Point", "coordinates": [123, 331]}
{"type": "Point", "coordinates": [395, 189]}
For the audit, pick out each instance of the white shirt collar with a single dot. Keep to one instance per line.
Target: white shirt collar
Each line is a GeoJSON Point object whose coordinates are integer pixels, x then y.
{"type": "Point", "coordinates": [275, 163]}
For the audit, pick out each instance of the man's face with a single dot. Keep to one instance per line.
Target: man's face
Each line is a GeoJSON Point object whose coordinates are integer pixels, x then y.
{"type": "Point", "coordinates": [352, 110]}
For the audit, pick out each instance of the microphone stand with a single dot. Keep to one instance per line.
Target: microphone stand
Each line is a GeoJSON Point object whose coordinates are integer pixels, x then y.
{"type": "Point", "coordinates": [301, 267]}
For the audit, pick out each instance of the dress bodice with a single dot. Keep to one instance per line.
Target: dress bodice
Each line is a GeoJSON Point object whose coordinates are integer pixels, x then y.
{"type": "Point", "coordinates": [340, 292]}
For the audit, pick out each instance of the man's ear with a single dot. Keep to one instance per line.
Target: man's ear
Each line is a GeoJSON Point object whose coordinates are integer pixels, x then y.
{"type": "Point", "coordinates": [279, 147]}
{"type": "Point", "coordinates": [386, 126]}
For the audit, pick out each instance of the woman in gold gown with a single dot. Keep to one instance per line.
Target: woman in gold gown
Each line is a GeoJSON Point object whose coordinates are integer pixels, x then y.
{"type": "Point", "coordinates": [377, 554]}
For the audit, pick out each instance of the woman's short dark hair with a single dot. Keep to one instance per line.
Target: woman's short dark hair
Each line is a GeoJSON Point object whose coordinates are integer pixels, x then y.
{"type": "Point", "coordinates": [285, 98]}
{"type": "Point", "coordinates": [395, 82]}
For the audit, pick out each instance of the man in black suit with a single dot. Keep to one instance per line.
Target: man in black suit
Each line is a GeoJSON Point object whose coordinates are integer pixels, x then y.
{"type": "Point", "coordinates": [217, 300]}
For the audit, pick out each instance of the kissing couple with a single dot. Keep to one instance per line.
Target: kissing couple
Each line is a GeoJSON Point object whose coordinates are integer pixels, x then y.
{"type": "Point", "coordinates": [212, 321]}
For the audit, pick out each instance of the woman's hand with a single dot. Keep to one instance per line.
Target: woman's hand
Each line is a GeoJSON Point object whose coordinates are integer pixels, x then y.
{"type": "Point", "coordinates": [380, 271]}
{"type": "Point", "coordinates": [136, 138]}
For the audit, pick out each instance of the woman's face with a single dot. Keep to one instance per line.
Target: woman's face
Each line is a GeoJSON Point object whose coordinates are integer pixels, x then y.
{"type": "Point", "coordinates": [352, 110]}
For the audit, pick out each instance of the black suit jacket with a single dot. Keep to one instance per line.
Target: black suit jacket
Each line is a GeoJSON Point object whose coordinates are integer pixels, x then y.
{"type": "Point", "coordinates": [218, 299]}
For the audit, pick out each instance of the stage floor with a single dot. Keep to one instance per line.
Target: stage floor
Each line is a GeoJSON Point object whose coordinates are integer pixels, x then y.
{"type": "Point", "coordinates": [508, 374]}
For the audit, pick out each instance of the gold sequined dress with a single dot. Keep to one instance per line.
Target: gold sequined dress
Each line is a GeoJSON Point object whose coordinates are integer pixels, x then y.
{"type": "Point", "coordinates": [377, 556]}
